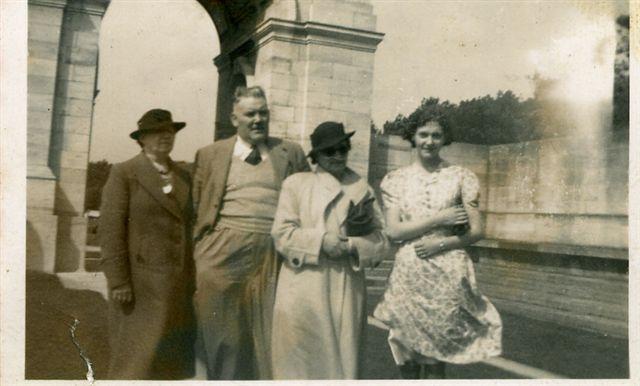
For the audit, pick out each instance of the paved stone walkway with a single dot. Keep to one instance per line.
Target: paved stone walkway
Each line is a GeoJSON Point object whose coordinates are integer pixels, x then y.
{"type": "Point", "coordinates": [528, 344]}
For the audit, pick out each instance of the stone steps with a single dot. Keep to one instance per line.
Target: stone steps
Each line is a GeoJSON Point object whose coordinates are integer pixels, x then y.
{"type": "Point", "coordinates": [376, 278]}
{"type": "Point", "coordinates": [375, 290]}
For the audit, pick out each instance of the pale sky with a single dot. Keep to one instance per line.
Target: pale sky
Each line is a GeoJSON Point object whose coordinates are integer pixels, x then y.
{"type": "Point", "coordinates": [172, 45]}
{"type": "Point", "coordinates": [453, 50]}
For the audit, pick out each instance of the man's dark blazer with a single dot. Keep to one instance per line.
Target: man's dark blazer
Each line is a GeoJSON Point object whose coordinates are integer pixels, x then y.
{"type": "Point", "coordinates": [212, 169]}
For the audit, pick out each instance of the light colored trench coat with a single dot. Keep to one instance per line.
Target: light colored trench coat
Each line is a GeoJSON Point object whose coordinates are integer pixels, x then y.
{"type": "Point", "coordinates": [320, 311]}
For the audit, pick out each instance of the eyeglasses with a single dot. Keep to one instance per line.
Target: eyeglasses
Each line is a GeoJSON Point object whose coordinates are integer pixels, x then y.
{"type": "Point", "coordinates": [332, 151]}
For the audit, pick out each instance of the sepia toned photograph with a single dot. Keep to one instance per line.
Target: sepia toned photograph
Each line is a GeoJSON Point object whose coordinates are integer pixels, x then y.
{"type": "Point", "coordinates": [267, 190]}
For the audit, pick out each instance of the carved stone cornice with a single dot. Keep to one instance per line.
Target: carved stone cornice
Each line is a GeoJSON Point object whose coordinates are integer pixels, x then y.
{"type": "Point", "coordinates": [304, 33]}
{"type": "Point", "coordinates": [49, 3]}
{"type": "Point", "coordinates": [90, 7]}
{"type": "Point", "coordinates": [316, 33]}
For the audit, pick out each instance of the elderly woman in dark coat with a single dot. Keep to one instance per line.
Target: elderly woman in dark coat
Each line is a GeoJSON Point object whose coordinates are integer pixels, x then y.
{"type": "Point", "coordinates": [147, 257]}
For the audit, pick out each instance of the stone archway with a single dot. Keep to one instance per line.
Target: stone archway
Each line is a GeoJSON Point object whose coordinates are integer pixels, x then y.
{"type": "Point", "coordinates": [314, 58]}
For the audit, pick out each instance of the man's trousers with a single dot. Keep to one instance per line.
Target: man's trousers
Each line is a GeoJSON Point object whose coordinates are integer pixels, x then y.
{"type": "Point", "coordinates": [236, 275]}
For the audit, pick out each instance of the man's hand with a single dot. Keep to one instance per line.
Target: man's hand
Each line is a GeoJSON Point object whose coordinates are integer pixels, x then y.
{"type": "Point", "coordinates": [335, 246]}
{"type": "Point", "coordinates": [122, 294]}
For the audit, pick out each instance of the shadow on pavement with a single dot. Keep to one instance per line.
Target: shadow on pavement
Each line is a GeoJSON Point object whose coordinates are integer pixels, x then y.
{"type": "Point", "coordinates": [51, 354]}
{"type": "Point", "coordinates": [50, 311]}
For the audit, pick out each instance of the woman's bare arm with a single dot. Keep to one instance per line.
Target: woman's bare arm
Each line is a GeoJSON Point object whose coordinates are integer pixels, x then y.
{"type": "Point", "coordinates": [427, 248]}
{"type": "Point", "coordinates": [398, 230]}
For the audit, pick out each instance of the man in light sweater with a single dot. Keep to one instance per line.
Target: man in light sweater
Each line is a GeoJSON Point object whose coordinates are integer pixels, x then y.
{"type": "Point", "coordinates": [236, 185]}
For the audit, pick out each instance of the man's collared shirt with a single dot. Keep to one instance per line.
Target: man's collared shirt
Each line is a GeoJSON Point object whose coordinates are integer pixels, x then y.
{"type": "Point", "coordinates": [242, 149]}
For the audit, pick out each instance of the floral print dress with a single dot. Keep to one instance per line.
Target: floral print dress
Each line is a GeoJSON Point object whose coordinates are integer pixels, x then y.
{"type": "Point", "coordinates": [433, 306]}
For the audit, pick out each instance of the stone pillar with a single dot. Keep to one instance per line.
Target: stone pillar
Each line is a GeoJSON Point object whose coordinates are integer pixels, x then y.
{"type": "Point", "coordinates": [63, 49]}
{"type": "Point", "coordinates": [234, 69]}
{"type": "Point", "coordinates": [73, 110]}
{"type": "Point", "coordinates": [223, 127]}
{"type": "Point", "coordinates": [45, 25]}
{"type": "Point", "coordinates": [319, 70]}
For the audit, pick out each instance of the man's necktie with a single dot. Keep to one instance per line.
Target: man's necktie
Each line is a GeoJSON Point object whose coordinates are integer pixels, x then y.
{"type": "Point", "coordinates": [254, 157]}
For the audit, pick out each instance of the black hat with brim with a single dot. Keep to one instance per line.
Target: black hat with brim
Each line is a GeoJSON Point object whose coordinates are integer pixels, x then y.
{"type": "Point", "coordinates": [328, 134]}
{"type": "Point", "coordinates": [155, 120]}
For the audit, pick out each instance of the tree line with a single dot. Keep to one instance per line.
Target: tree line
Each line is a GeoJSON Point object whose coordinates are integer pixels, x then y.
{"type": "Point", "coordinates": [505, 118]}
{"type": "Point", "coordinates": [97, 173]}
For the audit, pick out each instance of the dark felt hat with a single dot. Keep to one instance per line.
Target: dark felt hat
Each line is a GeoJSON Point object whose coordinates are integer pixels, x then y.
{"type": "Point", "coordinates": [156, 119]}
{"type": "Point", "coordinates": [328, 134]}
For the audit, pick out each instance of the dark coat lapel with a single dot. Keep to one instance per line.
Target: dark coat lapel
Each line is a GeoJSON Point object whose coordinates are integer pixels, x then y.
{"type": "Point", "coordinates": [180, 185]}
{"type": "Point", "coordinates": [279, 159]}
{"type": "Point", "coordinates": [220, 165]}
{"type": "Point", "coordinates": [150, 180]}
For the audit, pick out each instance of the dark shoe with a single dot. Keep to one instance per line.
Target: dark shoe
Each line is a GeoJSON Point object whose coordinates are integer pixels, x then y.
{"type": "Point", "coordinates": [434, 371]}
{"type": "Point", "coordinates": [409, 370]}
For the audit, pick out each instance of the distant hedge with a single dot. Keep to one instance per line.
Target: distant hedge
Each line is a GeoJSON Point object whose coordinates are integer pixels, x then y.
{"type": "Point", "coordinates": [97, 173]}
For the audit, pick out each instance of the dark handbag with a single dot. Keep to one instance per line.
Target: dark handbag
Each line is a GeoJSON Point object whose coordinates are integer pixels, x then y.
{"type": "Point", "coordinates": [360, 220]}
{"type": "Point", "coordinates": [460, 229]}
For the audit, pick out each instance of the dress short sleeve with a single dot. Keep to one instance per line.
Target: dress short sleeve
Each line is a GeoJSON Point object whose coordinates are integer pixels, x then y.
{"type": "Point", "coordinates": [470, 188]}
{"type": "Point", "coordinates": [390, 189]}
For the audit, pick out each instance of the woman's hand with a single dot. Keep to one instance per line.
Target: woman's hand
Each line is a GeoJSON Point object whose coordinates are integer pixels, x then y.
{"type": "Point", "coordinates": [454, 215]}
{"type": "Point", "coordinates": [426, 248]}
{"type": "Point", "coordinates": [122, 294]}
{"type": "Point", "coordinates": [335, 246]}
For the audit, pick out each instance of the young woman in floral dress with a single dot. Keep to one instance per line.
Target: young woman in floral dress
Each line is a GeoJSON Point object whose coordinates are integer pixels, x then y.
{"type": "Point", "coordinates": [432, 305]}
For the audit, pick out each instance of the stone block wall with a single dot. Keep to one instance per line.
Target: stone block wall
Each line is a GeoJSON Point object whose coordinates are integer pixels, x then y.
{"type": "Point", "coordinates": [563, 287]}
{"type": "Point", "coordinates": [387, 153]}
{"type": "Point", "coordinates": [356, 14]}
{"type": "Point", "coordinates": [559, 191]}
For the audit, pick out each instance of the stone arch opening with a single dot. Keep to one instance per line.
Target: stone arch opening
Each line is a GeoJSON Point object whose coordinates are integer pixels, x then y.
{"type": "Point", "coordinates": [154, 55]}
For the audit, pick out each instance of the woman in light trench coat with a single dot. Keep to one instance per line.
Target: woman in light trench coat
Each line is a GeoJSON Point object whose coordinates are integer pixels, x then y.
{"type": "Point", "coordinates": [328, 228]}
